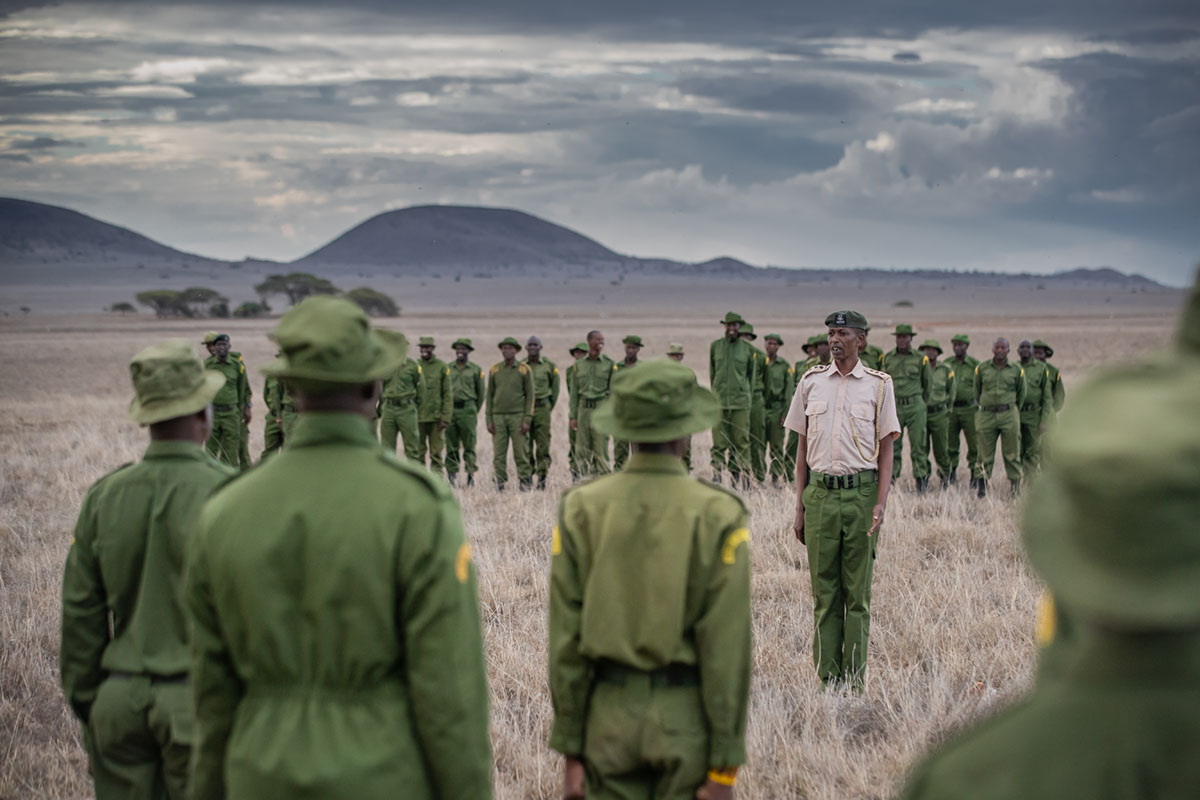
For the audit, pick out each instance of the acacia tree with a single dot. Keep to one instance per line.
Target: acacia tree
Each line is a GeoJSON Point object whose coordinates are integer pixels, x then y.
{"type": "Point", "coordinates": [376, 304]}
{"type": "Point", "coordinates": [202, 300]}
{"type": "Point", "coordinates": [295, 286]}
{"type": "Point", "coordinates": [165, 302]}
{"type": "Point", "coordinates": [122, 308]}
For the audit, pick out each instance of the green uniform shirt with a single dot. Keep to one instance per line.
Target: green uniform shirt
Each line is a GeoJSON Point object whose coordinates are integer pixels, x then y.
{"type": "Point", "coordinates": [871, 357]}
{"type": "Point", "coordinates": [731, 371]}
{"type": "Point", "coordinates": [650, 567]}
{"type": "Point", "coordinates": [997, 386]}
{"type": "Point", "coordinates": [546, 380]}
{"type": "Point", "coordinates": [964, 380]}
{"type": "Point", "coordinates": [236, 391]}
{"type": "Point", "coordinates": [911, 374]}
{"type": "Point", "coordinates": [1039, 391]}
{"type": "Point", "coordinates": [122, 587]}
{"type": "Point", "coordinates": [593, 380]}
{"type": "Point", "coordinates": [437, 398]}
{"type": "Point", "coordinates": [777, 381]}
{"type": "Point", "coordinates": [1057, 390]}
{"type": "Point", "coordinates": [758, 384]}
{"type": "Point", "coordinates": [467, 383]}
{"type": "Point", "coordinates": [510, 391]}
{"type": "Point", "coordinates": [273, 396]}
{"type": "Point", "coordinates": [337, 649]}
{"type": "Point", "coordinates": [405, 383]}
{"type": "Point", "coordinates": [943, 388]}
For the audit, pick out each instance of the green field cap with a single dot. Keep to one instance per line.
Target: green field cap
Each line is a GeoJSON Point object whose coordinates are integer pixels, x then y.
{"type": "Point", "coordinates": [579, 347]}
{"type": "Point", "coordinates": [632, 339]}
{"type": "Point", "coordinates": [509, 340]}
{"type": "Point", "coordinates": [1112, 522]}
{"type": "Point", "coordinates": [463, 342]}
{"type": "Point", "coordinates": [1042, 344]}
{"type": "Point", "coordinates": [425, 341]}
{"type": "Point", "coordinates": [820, 338]}
{"type": "Point", "coordinates": [328, 339]}
{"type": "Point", "coordinates": [847, 319]}
{"type": "Point", "coordinates": [674, 349]}
{"type": "Point", "coordinates": [961, 337]}
{"type": "Point", "coordinates": [931, 343]}
{"type": "Point", "coordinates": [169, 381]}
{"type": "Point", "coordinates": [658, 402]}
{"type": "Point", "coordinates": [747, 330]}
{"type": "Point", "coordinates": [774, 337]}
{"type": "Point", "coordinates": [904, 329]}
{"type": "Point", "coordinates": [732, 316]}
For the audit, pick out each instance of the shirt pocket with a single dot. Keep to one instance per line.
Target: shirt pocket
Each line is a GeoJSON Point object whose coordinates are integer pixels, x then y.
{"type": "Point", "coordinates": [815, 414]}
{"type": "Point", "coordinates": [862, 420]}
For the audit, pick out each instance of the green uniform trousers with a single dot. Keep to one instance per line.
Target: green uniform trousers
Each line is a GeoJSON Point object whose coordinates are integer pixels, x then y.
{"type": "Point", "coordinates": [139, 739]}
{"type": "Point", "coordinates": [731, 442]}
{"type": "Point", "coordinates": [758, 439]}
{"type": "Point", "coordinates": [400, 420]}
{"type": "Point", "coordinates": [225, 441]}
{"type": "Point", "coordinates": [791, 449]}
{"type": "Point", "coordinates": [244, 461]}
{"type": "Point", "coordinates": [961, 422]}
{"type": "Point", "coordinates": [508, 429]}
{"type": "Point", "coordinates": [938, 425]}
{"type": "Point", "coordinates": [775, 437]}
{"type": "Point", "coordinates": [1031, 443]}
{"type": "Point", "coordinates": [539, 440]}
{"type": "Point", "coordinates": [1007, 426]}
{"type": "Point", "coordinates": [644, 742]}
{"type": "Point", "coordinates": [620, 453]}
{"type": "Point", "coordinates": [289, 416]}
{"type": "Point", "coordinates": [272, 436]}
{"type": "Point", "coordinates": [572, 464]}
{"type": "Point", "coordinates": [431, 439]}
{"type": "Point", "coordinates": [912, 419]}
{"type": "Point", "coordinates": [460, 439]}
{"type": "Point", "coordinates": [841, 561]}
{"type": "Point", "coordinates": [591, 446]}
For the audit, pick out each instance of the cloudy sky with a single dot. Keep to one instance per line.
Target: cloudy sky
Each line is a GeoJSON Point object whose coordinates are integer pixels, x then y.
{"type": "Point", "coordinates": [1020, 135]}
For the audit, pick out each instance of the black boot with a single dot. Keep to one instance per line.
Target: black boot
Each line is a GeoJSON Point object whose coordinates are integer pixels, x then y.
{"type": "Point", "coordinates": [1016, 487]}
{"type": "Point", "coordinates": [981, 487]}
{"type": "Point", "coordinates": [974, 481]}
{"type": "Point", "coordinates": [451, 477]}
{"type": "Point", "coordinates": [922, 485]}
{"type": "Point", "coordinates": [526, 484]}
{"type": "Point", "coordinates": [499, 486]}
{"type": "Point", "coordinates": [541, 483]}
{"type": "Point", "coordinates": [945, 482]}
{"type": "Point", "coordinates": [470, 479]}
{"type": "Point", "coordinates": [954, 477]}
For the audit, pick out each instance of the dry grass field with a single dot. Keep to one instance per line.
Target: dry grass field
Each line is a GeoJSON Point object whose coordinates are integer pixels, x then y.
{"type": "Point", "coordinates": [953, 603]}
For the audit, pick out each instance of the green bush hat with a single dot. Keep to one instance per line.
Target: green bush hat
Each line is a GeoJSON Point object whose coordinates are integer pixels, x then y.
{"type": "Point", "coordinates": [209, 337]}
{"type": "Point", "coordinates": [674, 349]}
{"type": "Point", "coordinates": [464, 342]}
{"type": "Point", "coordinates": [961, 337]}
{"type": "Point", "coordinates": [169, 381]}
{"type": "Point", "coordinates": [774, 337]}
{"type": "Point", "coordinates": [632, 339]}
{"type": "Point", "coordinates": [1042, 344]}
{"type": "Point", "coordinates": [329, 340]}
{"type": "Point", "coordinates": [847, 319]}
{"type": "Point", "coordinates": [931, 343]}
{"type": "Point", "coordinates": [732, 316]}
{"type": "Point", "coordinates": [903, 328]}
{"type": "Point", "coordinates": [659, 401]}
{"type": "Point", "coordinates": [1111, 522]}
{"type": "Point", "coordinates": [747, 330]}
{"type": "Point", "coordinates": [820, 338]}
{"type": "Point", "coordinates": [426, 341]}
{"type": "Point", "coordinates": [578, 347]}
{"type": "Point", "coordinates": [509, 340]}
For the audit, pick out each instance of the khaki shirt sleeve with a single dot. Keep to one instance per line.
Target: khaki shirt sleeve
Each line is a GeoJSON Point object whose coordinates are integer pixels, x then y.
{"type": "Point", "coordinates": [889, 421]}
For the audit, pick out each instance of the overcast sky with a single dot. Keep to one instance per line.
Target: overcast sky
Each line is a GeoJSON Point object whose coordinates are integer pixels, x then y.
{"type": "Point", "coordinates": [1013, 136]}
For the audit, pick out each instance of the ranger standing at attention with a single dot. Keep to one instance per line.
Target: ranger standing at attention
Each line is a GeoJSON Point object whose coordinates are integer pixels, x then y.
{"type": "Point", "coordinates": [336, 646]}
{"type": "Point", "coordinates": [509, 414]}
{"type": "Point", "coordinates": [124, 652]}
{"type": "Point", "coordinates": [758, 407]}
{"type": "Point", "coordinates": [593, 381]}
{"type": "Point", "coordinates": [675, 353]}
{"type": "Point", "coordinates": [469, 390]}
{"type": "Point", "coordinates": [937, 414]}
{"type": "Point", "coordinates": [231, 406]}
{"type": "Point", "coordinates": [1037, 412]}
{"type": "Point", "coordinates": [650, 630]}
{"type": "Point", "coordinates": [777, 381]}
{"type": "Point", "coordinates": [962, 415]}
{"type": "Point", "coordinates": [999, 392]}
{"type": "Point", "coordinates": [244, 460]}
{"type": "Point", "coordinates": [577, 352]}
{"type": "Point", "coordinates": [402, 394]}
{"type": "Point", "coordinates": [633, 346]}
{"type": "Point", "coordinates": [1042, 352]}
{"type": "Point", "coordinates": [913, 380]}
{"type": "Point", "coordinates": [731, 372]}
{"type": "Point", "coordinates": [433, 414]}
{"type": "Point", "coordinates": [546, 382]}
{"type": "Point", "coordinates": [842, 483]}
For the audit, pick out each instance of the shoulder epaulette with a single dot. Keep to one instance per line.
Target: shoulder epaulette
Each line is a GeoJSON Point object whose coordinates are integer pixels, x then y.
{"type": "Point", "coordinates": [419, 370]}
{"type": "Point", "coordinates": [819, 368]}
{"type": "Point", "coordinates": [925, 360]}
{"type": "Point", "coordinates": [951, 373]}
{"type": "Point", "coordinates": [727, 491]}
{"type": "Point", "coordinates": [439, 488]}
{"type": "Point", "coordinates": [495, 368]}
{"type": "Point", "coordinates": [447, 370]}
{"type": "Point", "coordinates": [791, 370]}
{"type": "Point", "coordinates": [878, 373]}
{"type": "Point", "coordinates": [1022, 372]}
{"type": "Point", "coordinates": [522, 369]}
{"type": "Point", "coordinates": [977, 369]}
{"type": "Point", "coordinates": [615, 367]}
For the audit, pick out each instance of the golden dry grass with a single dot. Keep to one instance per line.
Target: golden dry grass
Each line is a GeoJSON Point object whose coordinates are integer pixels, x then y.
{"type": "Point", "coordinates": [953, 600]}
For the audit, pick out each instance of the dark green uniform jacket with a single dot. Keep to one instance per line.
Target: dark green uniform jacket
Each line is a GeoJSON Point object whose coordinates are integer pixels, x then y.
{"type": "Point", "coordinates": [510, 391]}
{"type": "Point", "coordinates": [546, 380]}
{"type": "Point", "coordinates": [593, 380]}
{"type": "Point", "coordinates": [964, 378]}
{"type": "Point", "coordinates": [236, 392]}
{"type": "Point", "coordinates": [731, 371]}
{"type": "Point", "coordinates": [337, 649]}
{"type": "Point", "coordinates": [944, 386]}
{"type": "Point", "coordinates": [468, 385]}
{"type": "Point", "coordinates": [438, 395]}
{"type": "Point", "coordinates": [999, 386]}
{"type": "Point", "coordinates": [405, 384]}
{"type": "Point", "coordinates": [911, 374]}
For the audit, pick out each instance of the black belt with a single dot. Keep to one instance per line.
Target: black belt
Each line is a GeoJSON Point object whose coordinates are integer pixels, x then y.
{"type": "Point", "coordinates": [464, 403]}
{"type": "Point", "coordinates": [996, 409]}
{"type": "Point", "coordinates": [903, 401]}
{"type": "Point", "coordinates": [178, 677]}
{"type": "Point", "coordinates": [545, 401]}
{"type": "Point", "coordinates": [937, 408]}
{"type": "Point", "coordinates": [390, 401]}
{"type": "Point", "coordinates": [591, 403]}
{"type": "Point", "coordinates": [1029, 407]}
{"type": "Point", "coordinates": [963, 403]}
{"type": "Point", "coordinates": [221, 407]}
{"type": "Point", "coordinates": [670, 676]}
{"type": "Point", "coordinates": [851, 481]}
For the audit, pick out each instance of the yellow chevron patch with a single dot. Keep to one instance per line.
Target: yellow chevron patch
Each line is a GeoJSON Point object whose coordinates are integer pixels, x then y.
{"type": "Point", "coordinates": [462, 563]}
{"type": "Point", "coordinates": [555, 542]}
{"type": "Point", "coordinates": [732, 542]}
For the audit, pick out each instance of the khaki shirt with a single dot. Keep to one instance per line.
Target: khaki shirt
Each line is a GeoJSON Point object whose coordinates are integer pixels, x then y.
{"type": "Point", "coordinates": [841, 416]}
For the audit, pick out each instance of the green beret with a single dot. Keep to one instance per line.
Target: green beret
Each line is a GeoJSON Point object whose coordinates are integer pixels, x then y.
{"type": "Point", "coordinates": [774, 337]}
{"type": "Point", "coordinates": [579, 347]}
{"type": "Point", "coordinates": [847, 319]}
{"type": "Point", "coordinates": [631, 339]}
{"type": "Point", "coordinates": [660, 401]}
{"type": "Point", "coordinates": [732, 316]}
{"type": "Point", "coordinates": [169, 381]}
{"type": "Point", "coordinates": [425, 341]}
{"type": "Point", "coordinates": [931, 343]}
{"type": "Point", "coordinates": [1042, 344]}
{"type": "Point", "coordinates": [509, 340]}
{"type": "Point", "coordinates": [463, 342]}
{"type": "Point", "coordinates": [329, 340]}
{"type": "Point", "coordinates": [961, 337]}
{"type": "Point", "coordinates": [904, 329]}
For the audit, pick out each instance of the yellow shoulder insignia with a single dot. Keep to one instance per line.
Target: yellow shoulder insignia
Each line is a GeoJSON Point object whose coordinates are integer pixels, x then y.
{"type": "Point", "coordinates": [555, 542]}
{"type": "Point", "coordinates": [791, 370]}
{"type": "Point", "coordinates": [462, 563]}
{"type": "Point", "coordinates": [732, 541]}
{"type": "Point", "coordinates": [1022, 372]}
{"type": "Point", "coordinates": [494, 370]}
{"type": "Point", "coordinates": [556, 370]}
{"type": "Point", "coordinates": [521, 368]}
{"type": "Point", "coordinates": [976, 369]}
{"type": "Point", "coordinates": [615, 368]}
{"type": "Point", "coordinates": [419, 370]}
{"type": "Point", "coordinates": [924, 360]}
{"type": "Point", "coordinates": [951, 373]}
{"type": "Point", "coordinates": [447, 370]}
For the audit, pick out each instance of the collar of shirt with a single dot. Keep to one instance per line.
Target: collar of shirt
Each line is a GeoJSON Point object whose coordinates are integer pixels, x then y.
{"type": "Point", "coordinates": [333, 427]}
{"type": "Point", "coordinates": [174, 449]}
{"type": "Point", "coordinates": [858, 372]}
{"type": "Point", "coordinates": [655, 462]}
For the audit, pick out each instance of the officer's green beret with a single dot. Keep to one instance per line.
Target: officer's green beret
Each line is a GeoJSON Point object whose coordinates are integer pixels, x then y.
{"type": "Point", "coordinates": [674, 349]}
{"type": "Point", "coordinates": [774, 336]}
{"type": "Point", "coordinates": [631, 339]}
{"type": "Point", "coordinates": [329, 340]}
{"type": "Point", "coordinates": [961, 337]}
{"type": "Point", "coordinates": [659, 401]}
{"type": "Point", "coordinates": [509, 340]}
{"type": "Point", "coordinates": [209, 337]}
{"type": "Point", "coordinates": [1042, 344]}
{"type": "Point", "coordinates": [1111, 522]}
{"type": "Point", "coordinates": [425, 341]}
{"type": "Point", "coordinates": [463, 342]}
{"type": "Point", "coordinates": [847, 319]}
{"type": "Point", "coordinates": [579, 347]}
{"type": "Point", "coordinates": [732, 316]}
{"type": "Point", "coordinates": [169, 381]}
{"type": "Point", "coordinates": [904, 329]}
{"type": "Point", "coordinates": [747, 330]}
{"type": "Point", "coordinates": [931, 343]}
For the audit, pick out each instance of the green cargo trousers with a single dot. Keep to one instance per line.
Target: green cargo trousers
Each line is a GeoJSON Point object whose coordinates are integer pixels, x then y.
{"type": "Point", "coordinates": [938, 425]}
{"type": "Point", "coordinates": [225, 441]}
{"type": "Point", "coordinates": [1006, 425]}
{"type": "Point", "coordinates": [572, 464]}
{"type": "Point", "coordinates": [620, 454]}
{"type": "Point", "coordinates": [432, 439]}
{"type": "Point", "coordinates": [508, 429]}
{"type": "Point", "coordinates": [962, 423]}
{"type": "Point", "coordinates": [775, 438]}
{"type": "Point", "coordinates": [289, 415]}
{"type": "Point", "coordinates": [645, 741]}
{"type": "Point", "coordinates": [139, 739]}
{"type": "Point", "coordinates": [460, 439]}
{"type": "Point", "coordinates": [591, 446]}
{"type": "Point", "coordinates": [1031, 442]}
{"type": "Point", "coordinates": [758, 439]}
{"type": "Point", "coordinates": [272, 436]}
{"type": "Point", "coordinates": [539, 440]}
{"type": "Point", "coordinates": [731, 442]}
{"type": "Point", "coordinates": [244, 461]}
{"type": "Point", "coordinates": [399, 419]}
{"type": "Point", "coordinates": [791, 448]}
{"type": "Point", "coordinates": [912, 419]}
{"type": "Point", "coordinates": [841, 562]}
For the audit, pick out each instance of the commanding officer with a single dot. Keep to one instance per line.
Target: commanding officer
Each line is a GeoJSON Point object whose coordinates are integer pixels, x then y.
{"type": "Point", "coordinates": [633, 346]}
{"type": "Point", "coordinates": [758, 407]}
{"type": "Point", "coordinates": [999, 392]}
{"type": "Point", "coordinates": [593, 379]}
{"type": "Point", "coordinates": [231, 406]}
{"type": "Point", "coordinates": [433, 413]}
{"type": "Point", "coordinates": [731, 372]}
{"type": "Point", "coordinates": [675, 353]}
{"type": "Point", "coordinates": [468, 389]}
{"type": "Point", "coordinates": [402, 394]}
{"type": "Point", "coordinates": [1042, 352]}
{"type": "Point", "coordinates": [1111, 527]}
{"type": "Point", "coordinates": [942, 391]}
{"type": "Point", "coordinates": [509, 414]}
{"type": "Point", "coordinates": [545, 393]}
{"type": "Point", "coordinates": [842, 490]}
{"type": "Point", "coordinates": [1037, 411]}
{"type": "Point", "coordinates": [360, 672]}
{"type": "Point", "coordinates": [650, 648]}
{"type": "Point", "coordinates": [777, 396]}
{"type": "Point", "coordinates": [912, 376]}
{"type": "Point", "coordinates": [577, 352]}
{"type": "Point", "coordinates": [962, 415]}
{"type": "Point", "coordinates": [124, 653]}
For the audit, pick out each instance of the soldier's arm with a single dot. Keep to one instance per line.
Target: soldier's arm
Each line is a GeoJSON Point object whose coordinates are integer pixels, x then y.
{"type": "Point", "coordinates": [447, 395]}
{"type": "Point", "coordinates": [491, 390]}
{"type": "Point", "coordinates": [84, 617]}
{"type": "Point", "coordinates": [712, 366]}
{"type": "Point", "coordinates": [1060, 391]}
{"type": "Point", "coordinates": [570, 682]}
{"type": "Point", "coordinates": [527, 387]}
{"type": "Point", "coordinates": [555, 385]}
{"type": "Point", "coordinates": [480, 391]}
{"type": "Point", "coordinates": [951, 386]}
{"type": "Point", "coordinates": [443, 647]}
{"type": "Point", "coordinates": [419, 385]}
{"type": "Point", "coordinates": [926, 379]}
{"type": "Point", "coordinates": [1047, 400]}
{"type": "Point", "coordinates": [978, 385]}
{"type": "Point", "coordinates": [573, 392]}
{"type": "Point", "coordinates": [1022, 389]}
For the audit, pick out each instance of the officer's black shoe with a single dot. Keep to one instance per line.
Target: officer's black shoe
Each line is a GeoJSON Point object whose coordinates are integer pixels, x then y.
{"type": "Point", "coordinates": [499, 486]}
{"type": "Point", "coordinates": [526, 485]}
{"type": "Point", "coordinates": [981, 487]}
{"type": "Point", "coordinates": [541, 483]}
{"type": "Point", "coordinates": [470, 479]}
{"type": "Point", "coordinates": [954, 477]}
{"type": "Point", "coordinates": [451, 477]}
{"type": "Point", "coordinates": [945, 482]}
{"type": "Point", "coordinates": [922, 485]}
{"type": "Point", "coordinates": [974, 481]}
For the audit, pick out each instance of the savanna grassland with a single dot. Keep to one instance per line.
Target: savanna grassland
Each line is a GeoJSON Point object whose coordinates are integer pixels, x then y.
{"type": "Point", "coordinates": [952, 633]}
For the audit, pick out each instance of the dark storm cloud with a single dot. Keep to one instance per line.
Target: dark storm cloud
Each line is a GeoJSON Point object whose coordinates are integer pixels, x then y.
{"type": "Point", "coordinates": [769, 93]}
{"type": "Point", "coordinates": [41, 143]}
